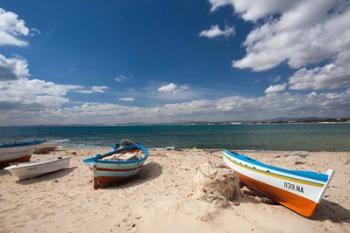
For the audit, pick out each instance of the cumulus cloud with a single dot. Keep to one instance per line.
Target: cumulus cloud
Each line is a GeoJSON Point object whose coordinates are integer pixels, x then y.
{"type": "Point", "coordinates": [11, 28]}
{"type": "Point", "coordinates": [332, 75]}
{"type": "Point", "coordinates": [33, 93]}
{"type": "Point", "coordinates": [272, 89]}
{"type": "Point", "coordinates": [37, 93]}
{"type": "Point", "coordinates": [172, 88]}
{"type": "Point", "coordinates": [300, 33]}
{"type": "Point", "coordinates": [336, 104]}
{"type": "Point", "coordinates": [304, 34]}
{"type": "Point", "coordinates": [215, 31]}
{"type": "Point", "coordinates": [252, 10]}
{"type": "Point", "coordinates": [169, 88]}
{"type": "Point", "coordinates": [13, 68]}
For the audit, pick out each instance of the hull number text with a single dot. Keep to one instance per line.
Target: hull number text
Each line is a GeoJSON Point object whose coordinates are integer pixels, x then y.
{"type": "Point", "coordinates": [294, 187]}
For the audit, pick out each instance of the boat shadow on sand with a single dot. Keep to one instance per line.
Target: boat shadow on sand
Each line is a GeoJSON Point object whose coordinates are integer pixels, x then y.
{"type": "Point", "coordinates": [47, 177]}
{"type": "Point", "coordinates": [328, 210]}
{"type": "Point", "coordinates": [3, 172]}
{"type": "Point", "coordinates": [150, 171]}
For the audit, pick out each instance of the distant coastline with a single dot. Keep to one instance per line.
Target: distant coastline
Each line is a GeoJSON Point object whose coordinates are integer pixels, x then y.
{"type": "Point", "coordinates": [310, 120]}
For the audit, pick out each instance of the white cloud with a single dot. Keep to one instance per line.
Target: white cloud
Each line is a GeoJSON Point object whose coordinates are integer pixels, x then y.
{"type": "Point", "coordinates": [127, 99]}
{"type": "Point", "coordinates": [215, 31]}
{"type": "Point", "coordinates": [13, 68]}
{"type": "Point", "coordinates": [50, 101]}
{"type": "Point", "coordinates": [33, 93]}
{"type": "Point", "coordinates": [335, 104]}
{"type": "Point", "coordinates": [169, 88]}
{"type": "Point", "coordinates": [252, 10]}
{"type": "Point", "coordinates": [304, 34]}
{"type": "Point", "coordinates": [38, 93]}
{"type": "Point", "coordinates": [332, 75]}
{"type": "Point", "coordinates": [93, 89]}
{"type": "Point", "coordinates": [11, 27]}
{"type": "Point", "coordinates": [121, 78]}
{"type": "Point", "coordinates": [300, 33]}
{"type": "Point", "coordinates": [172, 88]}
{"type": "Point", "coordinates": [272, 89]}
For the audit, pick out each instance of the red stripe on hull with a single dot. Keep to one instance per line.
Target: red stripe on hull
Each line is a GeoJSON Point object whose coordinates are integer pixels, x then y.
{"type": "Point", "coordinates": [117, 170]}
{"type": "Point", "coordinates": [301, 205]}
{"type": "Point", "coordinates": [104, 181]}
{"type": "Point", "coordinates": [25, 158]}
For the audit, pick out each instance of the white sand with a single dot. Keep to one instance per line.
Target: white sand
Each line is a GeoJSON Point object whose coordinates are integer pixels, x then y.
{"type": "Point", "coordinates": [161, 198]}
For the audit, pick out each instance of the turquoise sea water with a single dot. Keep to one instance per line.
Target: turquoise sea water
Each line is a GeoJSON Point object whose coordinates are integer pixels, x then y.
{"type": "Point", "coordinates": [309, 137]}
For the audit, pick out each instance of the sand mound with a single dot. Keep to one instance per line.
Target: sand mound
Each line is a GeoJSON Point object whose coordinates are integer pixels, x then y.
{"type": "Point", "coordinates": [216, 184]}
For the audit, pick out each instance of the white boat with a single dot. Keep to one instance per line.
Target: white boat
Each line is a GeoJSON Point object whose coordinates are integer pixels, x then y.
{"type": "Point", "coordinates": [298, 190]}
{"type": "Point", "coordinates": [17, 152]}
{"type": "Point", "coordinates": [38, 168]}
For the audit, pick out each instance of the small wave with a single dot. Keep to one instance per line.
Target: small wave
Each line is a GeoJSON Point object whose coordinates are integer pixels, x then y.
{"type": "Point", "coordinates": [61, 140]}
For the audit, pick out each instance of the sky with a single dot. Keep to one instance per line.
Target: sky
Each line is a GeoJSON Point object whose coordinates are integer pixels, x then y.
{"type": "Point", "coordinates": [118, 62]}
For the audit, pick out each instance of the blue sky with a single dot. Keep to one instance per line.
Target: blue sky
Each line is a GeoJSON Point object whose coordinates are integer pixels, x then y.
{"type": "Point", "coordinates": [139, 58]}
{"type": "Point", "coordinates": [89, 43]}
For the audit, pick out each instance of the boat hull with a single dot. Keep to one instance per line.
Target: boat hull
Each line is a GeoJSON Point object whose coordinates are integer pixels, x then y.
{"type": "Point", "coordinates": [300, 194]}
{"type": "Point", "coordinates": [107, 171]}
{"type": "Point", "coordinates": [106, 174]}
{"type": "Point", "coordinates": [104, 178]}
{"type": "Point", "coordinates": [22, 159]}
{"type": "Point", "coordinates": [301, 205]}
{"type": "Point", "coordinates": [13, 155]}
{"type": "Point", "coordinates": [17, 152]}
{"type": "Point", "coordinates": [38, 168]}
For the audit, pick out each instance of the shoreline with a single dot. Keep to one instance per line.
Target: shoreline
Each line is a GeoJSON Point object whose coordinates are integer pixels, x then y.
{"type": "Point", "coordinates": [160, 198]}
{"type": "Point", "coordinates": [179, 124]}
{"type": "Point", "coordinates": [106, 148]}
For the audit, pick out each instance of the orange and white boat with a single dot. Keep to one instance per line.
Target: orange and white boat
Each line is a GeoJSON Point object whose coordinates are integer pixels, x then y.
{"type": "Point", "coordinates": [300, 191]}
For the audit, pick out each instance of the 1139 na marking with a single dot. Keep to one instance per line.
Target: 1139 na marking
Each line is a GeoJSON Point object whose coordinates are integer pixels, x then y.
{"type": "Point", "coordinates": [294, 187]}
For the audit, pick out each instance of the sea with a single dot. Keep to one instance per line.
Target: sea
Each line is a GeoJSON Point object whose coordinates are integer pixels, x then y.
{"type": "Point", "coordinates": [284, 137]}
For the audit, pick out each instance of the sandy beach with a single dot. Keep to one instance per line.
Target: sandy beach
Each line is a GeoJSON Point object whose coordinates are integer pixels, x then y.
{"type": "Point", "coordinates": [160, 198]}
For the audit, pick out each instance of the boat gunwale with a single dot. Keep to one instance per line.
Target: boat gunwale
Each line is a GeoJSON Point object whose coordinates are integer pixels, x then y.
{"type": "Point", "coordinates": [22, 144]}
{"type": "Point", "coordinates": [98, 158]}
{"type": "Point", "coordinates": [315, 176]}
{"type": "Point", "coordinates": [34, 163]}
{"type": "Point", "coordinates": [279, 176]}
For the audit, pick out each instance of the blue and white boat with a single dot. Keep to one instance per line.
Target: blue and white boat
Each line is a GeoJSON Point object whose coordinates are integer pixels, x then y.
{"type": "Point", "coordinates": [122, 162]}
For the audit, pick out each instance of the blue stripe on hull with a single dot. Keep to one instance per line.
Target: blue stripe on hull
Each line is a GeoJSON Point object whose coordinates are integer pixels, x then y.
{"type": "Point", "coordinates": [20, 144]}
{"type": "Point", "coordinates": [306, 174]}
